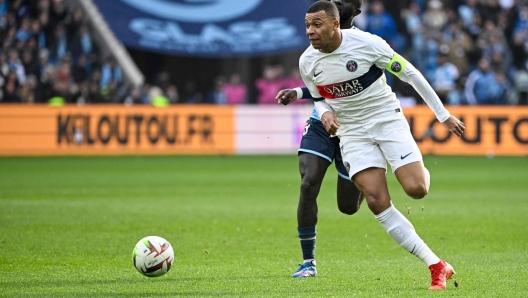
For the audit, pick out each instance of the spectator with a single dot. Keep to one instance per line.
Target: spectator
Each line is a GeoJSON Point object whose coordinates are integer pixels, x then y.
{"type": "Point", "coordinates": [459, 46]}
{"type": "Point", "coordinates": [482, 87]}
{"type": "Point", "coordinates": [490, 11]}
{"type": "Point", "coordinates": [27, 91]}
{"type": "Point", "coordinates": [59, 44]}
{"type": "Point", "coordinates": [16, 65]}
{"type": "Point", "coordinates": [24, 32]}
{"type": "Point", "coordinates": [74, 22]}
{"type": "Point", "coordinates": [133, 96]}
{"type": "Point", "coordinates": [235, 91]}
{"type": "Point", "coordinates": [94, 94]}
{"type": "Point", "coordinates": [381, 23]}
{"type": "Point", "coordinates": [446, 76]}
{"type": "Point", "coordinates": [79, 71]}
{"type": "Point", "coordinates": [413, 23]}
{"type": "Point", "coordinates": [171, 92]}
{"type": "Point", "coordinates": [46, 33]}
{"type": "Point", "coordinates": [191, 94]}
{"type": "Point", "coordinates": [31, 66]}
{"type": "Point", "coordinates": [110, 71]}
{"type": "Point", "coordinates": [82, 43]}
{"type": "Point", "coordinates": [467, 10]}
{"type": "Point", "coordinates": [217, 95]}
{"type": "Point", "coordinates": [270, 84]}
{"type": "Point", "coordinates": [44, 89]}
{"type": "Point", "coordinates": [294, 80]}
{"type": "Point", "coordinates": [163, 80]}
{"type": "Point", "coordinates": [10, 91]}
{"type": "Point", "coordinates": [435, 17]}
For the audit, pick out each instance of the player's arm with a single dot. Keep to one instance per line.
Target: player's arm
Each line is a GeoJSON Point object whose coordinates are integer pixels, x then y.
{"type": "Point", "coordinates": [328, 118]}
{"type": "Point", "coordinates": [406, 72]}
{"type": "Point", "coordinates": [325, 112]}
{"type": "Point", "coordinates": [287, 96]}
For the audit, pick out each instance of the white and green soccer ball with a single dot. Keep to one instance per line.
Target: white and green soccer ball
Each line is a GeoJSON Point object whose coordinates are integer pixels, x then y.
{"type": "Point", "coordinates": [153, 256]}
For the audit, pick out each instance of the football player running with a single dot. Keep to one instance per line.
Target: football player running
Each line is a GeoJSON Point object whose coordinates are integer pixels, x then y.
{"type": "Point", "coordinates": [344, 71]}
{"type": "Point", "coordinates": [316, 153]}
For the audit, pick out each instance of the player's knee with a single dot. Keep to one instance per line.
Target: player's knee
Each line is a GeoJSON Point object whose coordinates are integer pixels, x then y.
{"type": "Point", "coordinates": [309, 189]}
{"type": "Point", "coordinates": [350, 205]}
{"type": "Point", "coordinates": [348, 209]}
{"type": "Point", "coordinates": [417, 190]}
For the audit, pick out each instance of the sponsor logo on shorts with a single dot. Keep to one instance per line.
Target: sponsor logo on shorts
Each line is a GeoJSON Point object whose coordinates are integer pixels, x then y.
{"type": "Point", "coordinates": [404, 156]}
{"type": "Point", "coordinates": [347, 166]}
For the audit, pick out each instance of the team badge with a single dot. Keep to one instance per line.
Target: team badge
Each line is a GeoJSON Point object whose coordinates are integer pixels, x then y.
{"type": "Point", "coordinates": [396, 66]}
{"type": "Point", "coordinates": [347, 166]}
{"type": "Point", "coordinates": [351, 66]}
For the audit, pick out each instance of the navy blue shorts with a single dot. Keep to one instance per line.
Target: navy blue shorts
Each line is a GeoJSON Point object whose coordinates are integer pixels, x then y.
{"type": "Point", "coordinates": [317, 141]}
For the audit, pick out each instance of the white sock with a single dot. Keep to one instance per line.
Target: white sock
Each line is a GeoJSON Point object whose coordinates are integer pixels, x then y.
{"type": "Point", "coordinates": [404, 233]}
{"type": "Point", "coordinates": [427, 178]}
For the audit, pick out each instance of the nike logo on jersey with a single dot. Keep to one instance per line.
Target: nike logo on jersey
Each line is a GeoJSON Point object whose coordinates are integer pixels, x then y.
{"type": "Point", "coordinates": [404, 156]}
{"type": "Point", "coordinates": [316, 74]}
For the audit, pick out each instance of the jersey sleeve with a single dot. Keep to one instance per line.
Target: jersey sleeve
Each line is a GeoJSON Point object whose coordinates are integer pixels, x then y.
{"type": "Point", "coordinates": [309, 82]}
{"type": "Point", "coordinates": [381, 52]}
{"type": "Point", "coordinates": [303, 93]}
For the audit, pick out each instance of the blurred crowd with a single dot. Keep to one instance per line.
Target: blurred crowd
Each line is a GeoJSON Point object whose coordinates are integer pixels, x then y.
{"type": "Point", "coordinates": [48, 53]}
{"type": "Point", "coordinates": [471, 51]}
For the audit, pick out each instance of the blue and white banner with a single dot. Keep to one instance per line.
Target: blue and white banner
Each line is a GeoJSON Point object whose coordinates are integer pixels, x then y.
{"type": "Point", "coordinates": [208, 28]}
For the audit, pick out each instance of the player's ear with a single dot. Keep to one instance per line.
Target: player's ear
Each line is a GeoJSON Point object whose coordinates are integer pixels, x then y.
{"type": "Point", "coordinates": [336, 24]}
{"type": "Point", "coordinates": [357, 11]}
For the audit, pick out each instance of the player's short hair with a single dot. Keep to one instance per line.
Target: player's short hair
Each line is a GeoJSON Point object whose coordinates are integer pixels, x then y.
{"type": "Point", "coordinates": [329, 8]}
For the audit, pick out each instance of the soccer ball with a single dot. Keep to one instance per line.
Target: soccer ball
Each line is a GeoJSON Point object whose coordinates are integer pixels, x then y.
{"type": "Point", "coordinates": [153, 256]}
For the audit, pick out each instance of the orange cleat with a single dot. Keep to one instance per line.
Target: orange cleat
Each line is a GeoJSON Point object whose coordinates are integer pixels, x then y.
{"type": "Point", "coordinates": [441, 272]}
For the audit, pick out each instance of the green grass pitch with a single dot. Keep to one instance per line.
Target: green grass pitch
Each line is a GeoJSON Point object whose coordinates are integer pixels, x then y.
{"type": "Point", "coordinates": [68, 226]}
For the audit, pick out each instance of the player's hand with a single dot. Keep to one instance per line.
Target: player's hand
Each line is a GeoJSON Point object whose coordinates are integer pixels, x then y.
{"type": "Point", "coordinates": [454, 125]}
{"type": "Point", "coordinates": [286, 96]}
{"type": "Point", "coordinates": [330, 122]}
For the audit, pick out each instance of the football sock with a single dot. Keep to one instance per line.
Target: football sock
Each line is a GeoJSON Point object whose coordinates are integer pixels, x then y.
{"type": "Point", "coordinates": [307, 237]}
{"type": "Point", "coordinates": [404, 233]}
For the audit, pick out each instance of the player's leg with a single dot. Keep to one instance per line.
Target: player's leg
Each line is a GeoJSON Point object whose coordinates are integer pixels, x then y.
{"type": "Point", "coordinates": [312, 169]}
{"type": "Point", "coordinates": [313, 162]}
{"type": "Point", "coordinates": [414, 178]}
{"type": "Point", "coordinates": [373, 184]}
{"type": "Point", "coordinates": [401, 151]}
{"type": "Point", "coordinates": [349, 197]}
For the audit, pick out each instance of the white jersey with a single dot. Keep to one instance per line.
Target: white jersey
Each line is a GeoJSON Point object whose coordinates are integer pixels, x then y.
{"type": "Point", "coordinates": [351, 79]}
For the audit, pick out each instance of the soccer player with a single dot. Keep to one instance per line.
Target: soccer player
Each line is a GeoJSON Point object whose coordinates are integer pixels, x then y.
{"type": "Point", "coordinates": [316, 153]}
{"type": "Point", "coordinates": [345, 67]}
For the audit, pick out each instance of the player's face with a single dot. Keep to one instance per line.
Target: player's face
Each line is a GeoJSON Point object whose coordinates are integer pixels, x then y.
{"type": "Point", "coordinates": [320, 29]}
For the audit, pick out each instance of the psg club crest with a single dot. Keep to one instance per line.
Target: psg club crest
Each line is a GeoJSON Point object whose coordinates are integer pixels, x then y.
{"type": "Point", "coordinates": [396, 66]}
{"type": "Point", "coordinates": [347, 166]}
{"type": "Point", "coordinates": [351, 66]}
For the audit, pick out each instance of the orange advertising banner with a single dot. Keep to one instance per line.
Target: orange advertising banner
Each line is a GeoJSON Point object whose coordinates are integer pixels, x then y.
{"type": "Point", "coordinates": [208, 129]}
{"type": "Point", "coordinates": [489, 131]}
{"type": "Point", "coordinates": [115, 130]}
